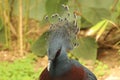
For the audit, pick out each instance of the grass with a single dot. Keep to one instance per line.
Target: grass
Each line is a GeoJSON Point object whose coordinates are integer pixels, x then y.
{"type": "Point", "coordinates": [22, 69]}
{"type": "Point", "coordinates": [101, 69]}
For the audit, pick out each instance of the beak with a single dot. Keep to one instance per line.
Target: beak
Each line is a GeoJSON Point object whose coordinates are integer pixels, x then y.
{"type": "Point", "coordinates": [49, 65]}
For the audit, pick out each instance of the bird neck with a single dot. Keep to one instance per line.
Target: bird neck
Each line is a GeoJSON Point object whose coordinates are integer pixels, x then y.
{"type": "Point", "coordinates": [62, 58]}
{"type": "Point", "coordinates": [60, 65]}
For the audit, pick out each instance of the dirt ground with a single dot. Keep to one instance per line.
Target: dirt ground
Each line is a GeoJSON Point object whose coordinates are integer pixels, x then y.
{"type": "Point", "coordinates": [112, 59]}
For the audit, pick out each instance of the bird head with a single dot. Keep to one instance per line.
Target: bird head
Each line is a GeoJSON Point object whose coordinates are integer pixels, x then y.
{"type": "Point", "coordinates": [60, 42]}
{"type": "Point", "coordinates": [61, 36]}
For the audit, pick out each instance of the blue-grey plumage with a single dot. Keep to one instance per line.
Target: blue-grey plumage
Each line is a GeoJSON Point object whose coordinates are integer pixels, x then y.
{"type": "Point", "coordinates": [60, 67]}
{"type": "Point", "coordinates": [61, 36]}
{"type": "Point", "coordinates": [60, 64]}
{"type": "Point", "coordinates": [63, 68]}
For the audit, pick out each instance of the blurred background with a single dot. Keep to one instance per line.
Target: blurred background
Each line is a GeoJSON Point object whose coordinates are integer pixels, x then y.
{"type": "Point", "coordinates": [24, 33]}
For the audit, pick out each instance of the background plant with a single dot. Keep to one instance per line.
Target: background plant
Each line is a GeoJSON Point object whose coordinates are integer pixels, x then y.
{"type": "Point", "coordinates": [20, 69]}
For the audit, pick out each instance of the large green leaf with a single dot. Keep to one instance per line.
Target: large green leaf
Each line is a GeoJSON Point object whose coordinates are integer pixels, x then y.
{"type": "Point", "coordinates": [35, 9]}
{"type": "Point", "coordinates": [94, 29]}
{"type": "Point", "coordinates": [55, 6]}
{"type": "Point", "coordinates": [94, 15]}
{"type": "Point", "coordinates": [38, 9]}
{"type": "Point", "coordinates": [87, 49]}
{"type": "Point", "coordinates": [93, 11]}
{"type": "Point", "coordinates": [85, 23]}
{"type": "Point", "coordinates": [106, 4]}
{"type": "Point", "coordinates": [39, 47]}
{"type": "Point", "coordinates": [115, 17]}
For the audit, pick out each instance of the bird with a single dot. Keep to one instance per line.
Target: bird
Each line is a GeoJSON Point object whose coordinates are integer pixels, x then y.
{"type": "Point", "coordinates": [60, 67]}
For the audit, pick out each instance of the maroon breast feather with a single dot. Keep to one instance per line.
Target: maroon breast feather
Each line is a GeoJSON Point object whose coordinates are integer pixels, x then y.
{"type": "Point", "coordinates": [75, 73]}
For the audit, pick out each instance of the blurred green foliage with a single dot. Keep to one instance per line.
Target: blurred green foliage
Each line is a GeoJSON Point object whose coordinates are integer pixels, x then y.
{"type": "Point", "coordinates": [101, 69]}
{"type": "Point", "coordinates": [24, 69]}
{"type": "Point", "coordinates": [90, 12]}
{"type": "Point", "coordinates": [39, 47]}
{"type": "Point", "coordinates": [94, 11]}
{"type": "Point", "coordinates": [40, 8]}
{"type": "Point", "coordinates": [2, 32]}
{"type": "Point", "coordinates": [87, 46]}
{"type": "Point", "coordinates": [20, 69]}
